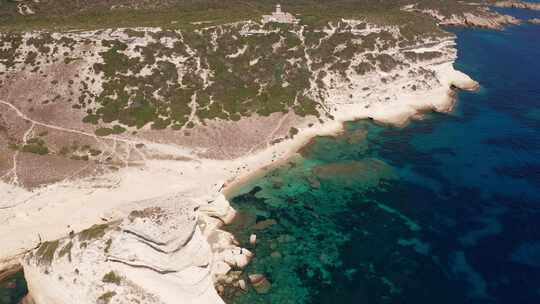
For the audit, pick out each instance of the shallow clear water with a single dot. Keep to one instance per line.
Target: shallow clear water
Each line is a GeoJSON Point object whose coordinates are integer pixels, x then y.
{"type": "Point", "coordinates": [446, 210]}
{"type": "Point", "coordinates": [13, 289]}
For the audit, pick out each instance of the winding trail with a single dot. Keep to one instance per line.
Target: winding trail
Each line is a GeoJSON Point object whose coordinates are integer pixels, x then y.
{"type": "Point", "coordinates": [12, 176]}
{"type": "Point", "coordinates": [23, 116]}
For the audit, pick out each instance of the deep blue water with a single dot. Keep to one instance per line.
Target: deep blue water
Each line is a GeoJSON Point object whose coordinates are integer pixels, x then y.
{"type": "Point", "coordinates": [446, 210]}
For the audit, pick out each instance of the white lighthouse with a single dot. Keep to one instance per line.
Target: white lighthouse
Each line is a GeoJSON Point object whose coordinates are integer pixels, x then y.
{"type": "Point", "coordinates": [279, 16]}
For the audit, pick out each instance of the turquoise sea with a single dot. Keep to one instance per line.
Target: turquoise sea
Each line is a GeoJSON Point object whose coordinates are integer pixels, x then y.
{"type": "Point", "coordinates": [446, 210]}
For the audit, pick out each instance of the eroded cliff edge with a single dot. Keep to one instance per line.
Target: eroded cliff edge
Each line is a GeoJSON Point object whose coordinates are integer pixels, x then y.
{"type": "Point", "coordinates": [168, 251]}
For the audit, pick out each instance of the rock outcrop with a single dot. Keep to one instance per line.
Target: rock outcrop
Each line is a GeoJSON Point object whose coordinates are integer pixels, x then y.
{"type": "Point", "coordinates": [168, 252]}
{"type": "Point", "coordinates": [479, 17]}
{"type": "Point", "coordinates": [518, 4]}
{"type": "Point", "coordinates": [490, 21]}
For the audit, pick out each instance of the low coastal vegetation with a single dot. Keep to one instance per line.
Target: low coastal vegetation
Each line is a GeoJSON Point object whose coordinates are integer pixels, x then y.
{"type": "Point", "coordinates": [36, 146]}
{"type": "Point", "coordinates": [138, 80]}
{"type": "Point", "coordinates": [66, 251]}
{"type": "Point", "coordinates": [178, 77]}
{"type": "Point", "coordinates": [95, 232]}
{"type": "Point", "coordinates": [33, 145]}
{"type": "Point", "coordinates": [45, 253]}
{"type": "Point", "coordinates": [106, 297]}
{"type": "Point", "coordinates": [112, 277]}
{"type": "Point", "coordinates": [64, 14]}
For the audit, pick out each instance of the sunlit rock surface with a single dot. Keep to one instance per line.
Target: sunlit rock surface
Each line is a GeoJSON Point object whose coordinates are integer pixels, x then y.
{"type": "Point", "coordinates": [158, 254]}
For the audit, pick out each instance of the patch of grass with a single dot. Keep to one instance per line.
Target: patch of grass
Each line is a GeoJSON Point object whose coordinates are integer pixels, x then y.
{"type": "Point", "coordinates": [117, 129]}
{"type": "Point", "coordinates": [94, 232]}
{"type": "Point", "coordinates": [293, 131]}
{"type": "Point", "coordinates": [35, 145]}
{"type": "Point", "coordinates": [134, 33]}
{"type": "Point", "coordinates": [106, 297]}
{"type": "Point", "coordinates": [66, 250]}
{"type": "Point", "coordinates": [14, 147]}
{"type": "Point", "coordinates": [94, 152]}
{"type": "Point", "coordinates": [103, 131]}
{"type": "Point", "coordinates": [45, 253]}
{"type": "Point", "coordinates": [91, 118]}
{"type": "Point", "coordinates": [80, 157]}
{"type": "Point", "coordinates": [112, 277]}
{"type": "Point", "coordinates": [36, 149]}
{"type": "Point", "coordinates": [107, 246]}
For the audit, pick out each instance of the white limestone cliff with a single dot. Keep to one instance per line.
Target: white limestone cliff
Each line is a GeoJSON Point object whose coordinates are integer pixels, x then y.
{"type": "Point", "coordinates": [158, 254]}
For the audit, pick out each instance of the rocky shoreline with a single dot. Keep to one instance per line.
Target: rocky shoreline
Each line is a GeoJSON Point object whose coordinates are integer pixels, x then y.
{"type": "Point", "coordinates": [518, 5]}
{"type": "Point", "coordinates": [172, 246]}
{"type": "Point", "coordinates": [482, 17]}
{"type": "Point", "coordinates": [136, 250]}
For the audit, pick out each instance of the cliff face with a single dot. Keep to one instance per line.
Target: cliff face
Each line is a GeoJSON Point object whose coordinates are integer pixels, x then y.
{"type": "Point", "coordinates": [158, 254]}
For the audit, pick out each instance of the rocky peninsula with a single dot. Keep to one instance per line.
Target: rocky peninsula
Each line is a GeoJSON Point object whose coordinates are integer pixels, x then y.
{"type": "Point", "coordinates": [518, 4]}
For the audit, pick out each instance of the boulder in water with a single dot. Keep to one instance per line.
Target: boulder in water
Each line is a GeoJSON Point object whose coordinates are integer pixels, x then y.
{"type": "Point", "coordinates": [260, 283]}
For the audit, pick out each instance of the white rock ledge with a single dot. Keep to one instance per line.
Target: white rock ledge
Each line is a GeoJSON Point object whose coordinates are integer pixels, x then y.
{"type": "Point", "coordinates": [158, 254]}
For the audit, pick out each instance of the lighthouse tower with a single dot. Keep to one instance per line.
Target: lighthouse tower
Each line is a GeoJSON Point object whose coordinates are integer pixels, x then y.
{"type": "Point", "coordinates": [279, 16]}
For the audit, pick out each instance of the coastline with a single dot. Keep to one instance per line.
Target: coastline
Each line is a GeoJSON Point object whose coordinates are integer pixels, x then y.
{"type": "Point", "coordinates": [205, 187]}
{"type": "Point", "coordinates": [46, 213]}
{"type": "Point", "coordinates": [485, 226]}
{"type": "Point", "coordinates": [443, 103]}
{"type": "Point", "coordinates": [51, 212]}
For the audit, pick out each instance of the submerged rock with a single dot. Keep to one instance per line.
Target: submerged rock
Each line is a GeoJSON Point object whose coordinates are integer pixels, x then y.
{"type": "Point", "coordinates": [253, 239]}
{"type": "Point", "coordinates": [357, 136]}
{"type": "Point", "coordinates": [264, 224]}
{"type": "Point", "coordinates": [260, 283]}
{"type": "Point", "coordinates": [314, 182]}
{"type": "Point", "coordinates": [277, 184]}
{"type": "Point", "coordinates": [367, 173]}
{"type": "Point", "coordinates": [242, 285]}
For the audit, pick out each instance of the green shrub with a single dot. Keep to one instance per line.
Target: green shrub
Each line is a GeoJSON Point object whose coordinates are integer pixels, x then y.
{"type": "Point", "coordinates": [104, 131]}
{"type": "Point", "coordinates": [106, 297]}
{"type": "Point", "coordinates": [66, 250]}
{"type": "Point", "coordinates": [45, 253]}
{"type": "Point", "coordinates": [94, 232]}
{"type": "Point", "coordinates": [112, 278]}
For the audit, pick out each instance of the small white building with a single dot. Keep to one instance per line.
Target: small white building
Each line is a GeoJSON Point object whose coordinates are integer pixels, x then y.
{"type": "Point", "coordinates": [279, 17]}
